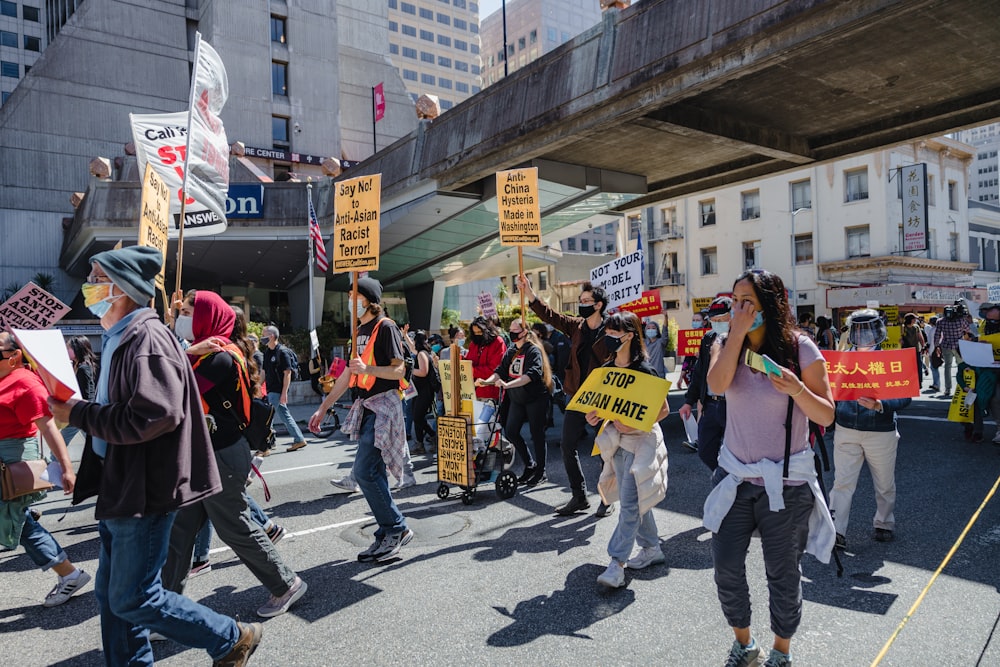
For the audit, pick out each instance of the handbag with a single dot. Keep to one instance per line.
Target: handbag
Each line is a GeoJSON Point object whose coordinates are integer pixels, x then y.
{"type": "Point", "coordinates": [22, 478]}
{"type": "Point", "coordinates": [937, 358]}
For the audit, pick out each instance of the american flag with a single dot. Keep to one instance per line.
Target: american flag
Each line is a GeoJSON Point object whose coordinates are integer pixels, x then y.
{"type": "Point", "coordinates": [317, 239]}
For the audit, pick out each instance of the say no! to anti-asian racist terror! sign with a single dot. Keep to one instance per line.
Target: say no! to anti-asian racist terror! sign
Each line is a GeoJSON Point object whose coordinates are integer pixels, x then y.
{"type": "Point", "coordinates": [356, 226]}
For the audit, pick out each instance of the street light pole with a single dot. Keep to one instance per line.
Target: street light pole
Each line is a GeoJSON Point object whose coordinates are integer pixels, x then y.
{"type": "Point", "coordinates": [795, 292]}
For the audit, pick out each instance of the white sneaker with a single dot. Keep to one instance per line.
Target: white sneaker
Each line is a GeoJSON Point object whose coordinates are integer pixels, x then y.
{"type": "Point", "coordinates": [346, 483]}
{"type": "Point", "coordinates": [156, 637]}
{"type": "Point", "coordinates": [64, 590]}
{"type": "Point", "coordinates": [407, 481]}
{"type": "Point", "coordinates": [645, 557]}
{"type": "Point", "coordinates": [614, 576]}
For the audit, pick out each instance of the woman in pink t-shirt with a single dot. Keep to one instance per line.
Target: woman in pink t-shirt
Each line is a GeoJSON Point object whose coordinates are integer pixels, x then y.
{"type": "Point", "coordinates": [751, 461]}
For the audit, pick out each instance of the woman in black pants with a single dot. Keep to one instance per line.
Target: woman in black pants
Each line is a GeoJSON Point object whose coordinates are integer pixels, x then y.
{"type": "Point", "coordinates": [423, 372]}
{"type": "Point", "coordinates": [527, 377]}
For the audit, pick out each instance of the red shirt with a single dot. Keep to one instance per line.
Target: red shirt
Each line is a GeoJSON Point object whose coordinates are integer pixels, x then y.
{"type": "Point", "coordinates": [23, 399]}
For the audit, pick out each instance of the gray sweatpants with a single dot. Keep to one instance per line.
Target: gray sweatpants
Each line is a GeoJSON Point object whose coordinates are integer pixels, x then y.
{"type": "Point", "coordinates": [783, 539]}
{"type": "Point", "coordinates": [230, 515]}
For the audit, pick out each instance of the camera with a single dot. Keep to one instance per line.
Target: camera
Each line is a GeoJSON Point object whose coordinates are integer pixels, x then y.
{"type": "Point", "coordinates": [957, 311]}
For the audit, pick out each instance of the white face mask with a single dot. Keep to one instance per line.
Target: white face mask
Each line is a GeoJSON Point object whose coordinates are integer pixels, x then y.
{"type": "Point", "coordinates": [184, 327]}
{"type": "Point", "coordinates": [650, 333]}
{"type": "Point", "coordinates": [359, 309]}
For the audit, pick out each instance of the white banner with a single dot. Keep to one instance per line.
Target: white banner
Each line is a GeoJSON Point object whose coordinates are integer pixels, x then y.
{"type": "Point", "coordinates": [621, 278]}
{"type": "Point", "coordinates": [162, 141]}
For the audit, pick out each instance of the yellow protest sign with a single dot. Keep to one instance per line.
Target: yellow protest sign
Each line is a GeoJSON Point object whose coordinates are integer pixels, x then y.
{"type": "Point", "coordinates": [155, 221]}
{"type": "Point", "coordinates": [518, 210]}
{"type": "Point", "coordinates": [468, 390]}
{"type": "Point", "coordinates": [632, 397]}
{"type": "Point", "coordinates": [891, 314]}
{"type": "Point", "coordinates": [356, 204]}
{"type": "Point", "coordinates": [455, 465]}
{"type": "Point", "coordinates": [994, 341]}
{"type": "Point", "coordinates": [700, 303]}
{"type": "Point", "coordinates": [960, 409]}
{"type": "Point", "coordinates": [892, 338]}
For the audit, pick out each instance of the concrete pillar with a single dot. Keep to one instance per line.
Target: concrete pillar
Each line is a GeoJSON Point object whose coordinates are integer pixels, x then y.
{"type": "Point", "coordinates": [424, 303]}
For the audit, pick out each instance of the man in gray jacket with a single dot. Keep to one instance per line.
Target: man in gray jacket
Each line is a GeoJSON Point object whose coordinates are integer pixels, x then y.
{"type": "Point", "coordinates": [147, 454]}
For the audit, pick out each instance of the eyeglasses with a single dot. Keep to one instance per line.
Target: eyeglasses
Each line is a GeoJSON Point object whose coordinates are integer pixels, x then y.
{"type": "Point", "coordinates": [95, 278]}
{"type": "Point", "coordinates": [3, 353]}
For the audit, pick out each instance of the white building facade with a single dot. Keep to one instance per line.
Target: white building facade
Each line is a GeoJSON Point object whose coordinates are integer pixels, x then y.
{"type": "Point", "coordinates": [830, 231]}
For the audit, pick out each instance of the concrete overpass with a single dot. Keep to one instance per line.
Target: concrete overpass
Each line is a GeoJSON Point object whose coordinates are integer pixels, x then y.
{"type": "Point", "coordinates": [663, 99]}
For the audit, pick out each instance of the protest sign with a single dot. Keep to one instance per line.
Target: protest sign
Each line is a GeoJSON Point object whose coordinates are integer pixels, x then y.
{"type": "Point", "coordinates": [154, 225]}
{"type": "Point", "coordinates": [648, 305]}
{"type": "Point", "coordinates": [47, 349]}
{"type": "Point", "coordinates": [689, 341]}
{"type": "Point", "coordinates": [486, 305]}
{"type": "Point", "coordinates": [982, 354]}
{"type": "Point", "coordinates": [960, 409]}
{"type": "Point", "coordinates": [518, 210]}
{"type": "Point", "coordinates": [467, 383]}
{"type": "Point", "coordinates": [621, 278]}
{"type": "Point", "coordinates": [632, 397]}
{"type": "Point", "coordinates": [454, 459]}
{"type": "Point", "coordinates": [31, 307]}
{"type": "Point", "coordinates": [357, 203]}
{"type": "Point", "coordinates": [891, 314]}
{"type": "Point", "coordinates": [701, 303]}
{"type": "Point", "coordinates": [993, 292]}
{"type": "Point", "coordinates": [878, 374]}
{"type": "Point", "coordinates": [893, 336]}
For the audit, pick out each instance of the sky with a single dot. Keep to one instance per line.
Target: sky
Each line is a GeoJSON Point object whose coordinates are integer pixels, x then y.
{"type": "Point", "coordinates": [487, 7]}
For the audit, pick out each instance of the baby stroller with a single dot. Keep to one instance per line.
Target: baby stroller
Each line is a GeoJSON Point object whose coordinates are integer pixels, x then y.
{"type": "Point", "coordinates": [493, 455]}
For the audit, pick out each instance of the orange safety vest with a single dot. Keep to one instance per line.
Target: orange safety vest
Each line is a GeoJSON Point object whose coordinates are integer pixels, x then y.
{"type": "Point", "coordinates": [242, 380]}
{"type": "Point", "coordinates": [366, 382]}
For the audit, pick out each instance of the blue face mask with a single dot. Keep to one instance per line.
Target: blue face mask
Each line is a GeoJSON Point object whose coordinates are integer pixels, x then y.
{"type": "Point", "coordinates": [723, 327]}
{"type": "Point", "coordinates": [758, 320]}
{"type": "Point", "coordinates": [435, 348]}
{"type": "Point", "coordinates": [100, 308]}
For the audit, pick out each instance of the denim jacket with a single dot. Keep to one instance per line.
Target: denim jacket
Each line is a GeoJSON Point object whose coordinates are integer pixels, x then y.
{"type": "Point", "coordinates": [852, 415]}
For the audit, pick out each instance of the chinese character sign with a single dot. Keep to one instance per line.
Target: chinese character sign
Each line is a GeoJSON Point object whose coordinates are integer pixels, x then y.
{"type": "Point", "coordinates": [914, 184]}
{"type": "Point", "coordinates": [881, 374]}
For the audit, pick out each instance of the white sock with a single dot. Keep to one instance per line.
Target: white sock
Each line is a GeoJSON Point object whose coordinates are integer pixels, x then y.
{"type": "Point", "coordinates": [69, 577]}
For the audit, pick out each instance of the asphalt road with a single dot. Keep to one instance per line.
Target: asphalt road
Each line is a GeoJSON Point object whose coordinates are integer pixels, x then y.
{"type": "Point", "coordinates": [507, 582]}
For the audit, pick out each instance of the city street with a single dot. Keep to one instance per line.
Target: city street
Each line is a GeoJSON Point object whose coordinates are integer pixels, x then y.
{"type": "Point", "coordinates": [507, 582]}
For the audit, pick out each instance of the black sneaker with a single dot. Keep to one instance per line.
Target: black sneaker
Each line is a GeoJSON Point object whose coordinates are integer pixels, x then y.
{"type": "Point", "coordinates": [840, 542]}
{"type": "Point", "coordinates": [604, 510]}
{"type": "Point", "coordinates": [576, 504]}
{"type": "Point", "coordinates": [368, 555]}
{"type": "Point", "coordinates": [537, 478]}
{"type": "Point", "coordinates": [528, 474]}
{"type": "Point", "coordinates": [883, 535]}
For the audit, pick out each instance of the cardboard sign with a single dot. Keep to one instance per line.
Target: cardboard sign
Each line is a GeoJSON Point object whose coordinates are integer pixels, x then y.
{"type": "Point", "coordinates": [47, 350]}
{"type": "Point", "coordinates": [32, 308]}
{"type": "Point", "coordinates": [689, 341]}
{"type": "Point", "coordinates": [357, 203]}
{"type": "Point", "coordinates": [454, 458]}
{"type": "Point", "coordinates": [468, 390]}
{"type": "Point", "coordinates": [877, 374]}
{"type": "Point", "coordinates": [621, 278]}
{"type": "Point", "coordinates": [648, 305]}
{"type": "Point", "coordinates": [993, 292]}
{"type": "Point", "coordinates": [632, 397]}
{"type": "Point", "coordinates": [518, 210]}
{"type": "Point", "coordinates": [487, 306]}
{"type": "Point", "coordinates": [701, 303]}
{"type": "Point", "coordinates": [154, 225]}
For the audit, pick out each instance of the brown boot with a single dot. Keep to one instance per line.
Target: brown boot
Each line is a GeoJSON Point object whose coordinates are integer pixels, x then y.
{"type": "Point", "coordinates": [250, 635]}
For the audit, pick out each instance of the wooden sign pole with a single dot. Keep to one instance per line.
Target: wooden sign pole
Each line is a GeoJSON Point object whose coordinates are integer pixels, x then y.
{"type": "Point", "coordinates": [520, 272]}
{"type": "Point", "coordinates": [354, 315]}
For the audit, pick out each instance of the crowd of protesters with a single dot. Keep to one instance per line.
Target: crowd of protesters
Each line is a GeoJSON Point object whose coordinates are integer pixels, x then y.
{"type": "Point", "coordinates": [170, 407]}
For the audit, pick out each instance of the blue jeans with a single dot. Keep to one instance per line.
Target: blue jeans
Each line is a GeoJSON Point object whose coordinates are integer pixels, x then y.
{"type": "Point", "coordinates": [273, 397]}
{"type": "Point", "coordinates": [133, 602]}
{"type": "Point", "coordinates": [936, 376]}
{"type": "Point", "coordinates": [39, 544]}
{"type": "Point", "coordinates": [370, 473]}
{"type": "Point", "coordinates": [631, 528]}
{"type": "Point", "coordinates": [202, 543]}
{"type": "Point", "coordinates": [408, 418]}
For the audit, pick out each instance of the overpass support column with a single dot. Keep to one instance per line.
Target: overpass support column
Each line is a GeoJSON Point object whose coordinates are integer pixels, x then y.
{"type": "Point", "coordinates": [424, 303]}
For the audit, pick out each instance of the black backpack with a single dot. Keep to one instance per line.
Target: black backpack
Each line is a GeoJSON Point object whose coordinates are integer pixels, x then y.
{"type": "Point", "coordinates": [292, 361]}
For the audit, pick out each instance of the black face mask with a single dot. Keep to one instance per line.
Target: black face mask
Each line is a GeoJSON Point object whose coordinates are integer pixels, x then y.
{"type": "Point", "coordinates": [586, 311]}
{"type": "Point", "coordinates": [478, 340]}
{"type": "Point", "coordinates": [612, 344]}
{"type": "Point", "coordinates": [991, 327]}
